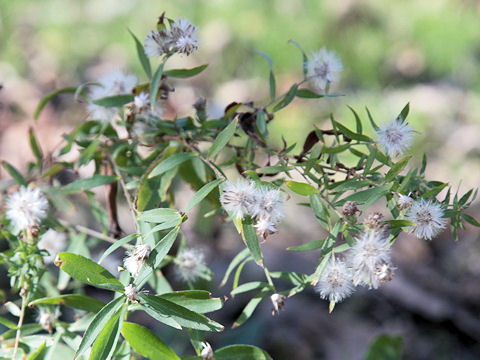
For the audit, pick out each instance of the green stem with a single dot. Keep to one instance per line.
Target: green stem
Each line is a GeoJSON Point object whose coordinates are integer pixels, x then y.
{"type": "Point", "coordinates": [19, 326]}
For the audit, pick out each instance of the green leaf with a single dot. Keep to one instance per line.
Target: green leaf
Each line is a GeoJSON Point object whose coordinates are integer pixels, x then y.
{"type": "Point", "coordinates": [156, 257]}
{"type": "Point", "coordinates": [262, 123]}
{"type": "Point", "coordinates": [250, 238]}
{"type": "Point", "coordinates": [287, 99]}
{"type": "Point", "coordinates": [273, 170]}
{"type": "Point", "coordinates": [397, 169]}
{"type": "Point", "coordinates": [87, 271]}
{"type": "Point", "coordinates": [385, 347]}
{"type": "Point", "coordinates": [222, 139]}
{"type": "Point", "coordinates": [170, 163]}
{"type": "Point", "coordinates": [241, 352]}
{"type": "Point", "coordinates": [155, 84]}
{"type": "Point", "coordinates": [114, 101]}
{"type": "Point", "coordinates": [88, 152]}
{"type": "Point", "coordinates": [147, 343]}
{"type": "Point", "coordinates": [106, 342]}
{"type": "Point", "coordinates": [37, 151]}
{"type": "Point", "coordinates": [76, 301]}
{"type": "Point", "coordinates": [202, 193]}
{"type": "Point", "coordinates": [144, 60]}
{"type": "Point", "coordinates": [198, 301]}
{"type": "Point", "coordinates": [349, 133]}
{"type": "Point", "coordinates": [470, 219]}
{"type": "Point", "coordinates": [358, 122]}
{"type": "Point", "coordinates": [88, 183]}
{"type": "Point", "coordinates": [7, 323]}
{"type": "Point", "coordinates": [19, 179]}
{"type": "Point", "coordinates": [366, 197]}
{"type": "Point", "coordinates": [159, 215]}
{"type": "Point", "coordinates": [435, 191]}
{"type": "Point", "coordinates": [400, 223]}
{"type": "Point", "coordinates": [155, 305]}
{"type": "Point", "coordinates": [301, 188]}
{"type": "Point", "coordinates": [49, 97]}
{"type": "Point", "coordinates": [404, 113]}
{"type": "Point", "coordinates": [98, 323]}
{"type": "Point", "coordinates": [304, 56]}
{"type": "Point", "coordinates": [374, 125]}
{"type": "Point", "coordinates": [40, 353]}
{"type": "Point", "coordinates": [309, 246]}
{"type": "Point", "coordinates": [116, 245]}
{"type": "Point", "coordinates": [250, 308]}
{"type": "Point", "coordinates": [308, 94]}
{"type": "Point", "coordinates": [233, 264]}
{"type": "Point", "coordinates": [249, 286]}
{"type": "Point", "coordinates": [185, 73]}
{"type": "Point", "coordinates": [272, 76]}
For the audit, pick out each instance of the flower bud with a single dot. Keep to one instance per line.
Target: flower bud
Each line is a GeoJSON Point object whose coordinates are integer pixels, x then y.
{"type": "Point", "coordinates": [350, 208]}
{"type": "Point", "coordinates": [404, 202]}
{"type": "Point", "coordinates": [131, 293]}
{"type": "Point", "coordinates": [207, 352]}
{"type": "Point", "coordinates": [278, 302]}
{"type": "Point", "coordinates": [374, 221]}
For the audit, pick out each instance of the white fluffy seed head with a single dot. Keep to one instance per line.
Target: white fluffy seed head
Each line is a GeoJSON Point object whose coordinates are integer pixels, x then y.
{"type": "Point", "coordinates": [141, 101]}
{"type": "Point", "coordinates": [238, 198]}
{"type": "Point", "coordinates": [265, 227]}
{"type": "Point", "coordinates": [184, 37]}
{"type": "Point", "coordinates": [156, 44]}
{"type": "Point", "coordinates": [47, 318]}
{"type": "Point", "coordinates": [369, 254]}
{"type": "Point", "coordinates": [142, 252]}
{"type": "Point", "coordinates": [278, 302]}
{"type": "Point", "coordinates": [404, 201]}
{"type": "Point", "coordinates": [428, 216]}
{"type": "Point", "coordinates": [323, 68]}
{"type": "Point", "coordinates": [395, 137]}
{"type": "Point", "coordinates": [26, 208]}
{"type": "Point", "coordinates": [131, 293]}
{"type": "Point", "coordinates": [268, 204]}
{"type": "Point", "coordinates": [54, 242]}
{"type": "Point", "coordinates": [189, 264]}
{"type": "Point", "coordinates": [207, 352]}
{"type": "Point", "coordinates": [335, 283]}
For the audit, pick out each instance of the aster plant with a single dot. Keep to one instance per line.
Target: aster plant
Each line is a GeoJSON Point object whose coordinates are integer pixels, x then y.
{"type": "Point", "coordinates": [237, 175]}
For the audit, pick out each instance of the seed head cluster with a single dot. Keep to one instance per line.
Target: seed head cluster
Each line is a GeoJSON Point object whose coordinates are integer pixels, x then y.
{"type": "Point", "coordinates": [182, 37]}
{"type": "Point", "coordinates": [323, 68]}
{"type": "Point", "coordinates": [26, 208]}
{"type": "Point", "coordinates": [136, 259]}
{"type": "Point", "coordinates": [189, 264]}
{"type": "Point", "coordinates": [395, 137]}
{"type": "Point", "coordinates": [428, 217]}
{"type": "Point", "coordinates": [261, 203]}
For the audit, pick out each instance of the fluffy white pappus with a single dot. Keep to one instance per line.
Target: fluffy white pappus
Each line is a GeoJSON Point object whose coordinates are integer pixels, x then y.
{"type": "Point", "coordinates": [323, 68]}
{"type": "Point", "coordinates": [133, 265]}
{"type": "Point", "coordinates": [47, 317]}
{"type": "Point", "coordinates": [404, 201]}
{"type": "Point", "coordinates": [54, 242]}
{"type": "Point", "coordinates": [367, 257]}
{"type": "Point", "coordinates": [184, 37]}
{"type": "Point", "coordinates": [142, 252]}
{"type": "Point", "coordinates": [131, 292]}
{"type": "Point", "coordinates": [156, 44]}
{"type": "Point", "coordinates": [268, 205]}
{"type": "Point", "coordinates": [335, 283]}
{"type": "Point", "coordinates": [141, 101]}
{"type": "Point", "coordinates": [189, 264]}
{"type": "Point", "coordinates": [113, 83]}
{"type": "Point", "coordinates": [26, 207]}
{"type": "Point", "coordinates": [207, 352]}
{"type": "Point", "coordinates": [395, 137]}
{"type": "Point", "coordinates": [265, 227]}
{"type": "Point", "coordinates": [238, 197]}
{"type": "Point", "coordinates": [429, 218]}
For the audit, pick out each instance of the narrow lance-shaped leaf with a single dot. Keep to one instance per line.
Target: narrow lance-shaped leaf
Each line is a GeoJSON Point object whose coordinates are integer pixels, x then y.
{"type": "Point", "coordinates": [180, 314]}
{"type": "Point", "coordinates": [98, 323]}
{"type": "Point", "coordinates": [202, 193]}
{"type": "Point", "coordinates": [114, 101]}
{"type": "Point", "coordinates": [154, 85]}
{"type": "Point", "coordinates": [233, 264]}
{"type": "Point", "coordinates": [87, 271]}
{"type": "Point", "coordinates": [49, 97]}
{"type": "Point", "coordinates": [116, 245]}
{"type": "Point", "coordinates": [241, 352]}
{"type": "Point", "coordinates": [301, 188]}
{"type": "Point", "coordinates": [37, 151]}
{"type": "Point", "coordinates": [144, 60]}
{"type": "Point", "coordinates": [76, 301]}
{"type": "Point", "coordinates": [198, 301]}
{"type": "Point", "coordinates": [19, 179]}
{"type": "Point", "coordinates": [171, 162]}
{"type": "Point", "coordinates": [88, 183]}
{"type": "Point", "coordinates": [250, 308]}
{"type": "Point", "coordinates": [250, 238]}
{"type": "Point", "coordinates": [222, 139]}
{"type": "Point", "coordinates": [147, 343]}
{"type": "Point", "coordinates": [185, 73]}
{"type": "Point", "coordinates": [106, 342]}
{"type": "Point", "coordinates": [40, 353]}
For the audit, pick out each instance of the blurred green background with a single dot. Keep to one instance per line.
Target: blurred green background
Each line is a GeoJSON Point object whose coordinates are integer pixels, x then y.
{"type": "Point", "coordinates": [423, 52]}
